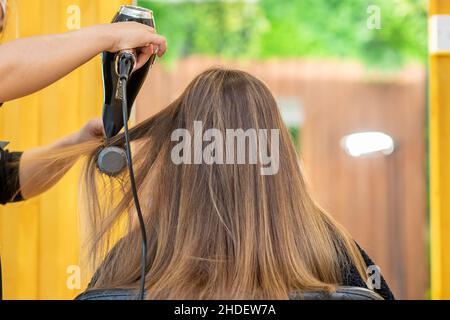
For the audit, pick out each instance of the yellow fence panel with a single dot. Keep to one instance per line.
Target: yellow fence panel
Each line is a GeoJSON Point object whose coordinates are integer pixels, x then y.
{"type": "Point", "coordinates": [39, 239]}
{"type": "Point", "coordinates": [440, 165]}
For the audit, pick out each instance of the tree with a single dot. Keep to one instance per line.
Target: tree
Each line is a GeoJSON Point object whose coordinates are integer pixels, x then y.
{"type": "Point", "coordinates": [296, 28]}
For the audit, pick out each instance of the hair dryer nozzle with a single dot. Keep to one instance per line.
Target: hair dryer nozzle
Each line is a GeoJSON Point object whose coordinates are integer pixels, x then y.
{"type": "Point", "coordinates": [111, 161]}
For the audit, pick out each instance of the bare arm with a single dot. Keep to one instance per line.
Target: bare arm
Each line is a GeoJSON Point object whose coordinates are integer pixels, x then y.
{"type": "Point", "coordinates": [34, 161]}
{"type": "Point", "coordinates": [30, 64]}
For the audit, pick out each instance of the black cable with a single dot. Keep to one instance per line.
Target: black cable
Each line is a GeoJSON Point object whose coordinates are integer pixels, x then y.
{"type": "Point", "coordinates": [124, 80]}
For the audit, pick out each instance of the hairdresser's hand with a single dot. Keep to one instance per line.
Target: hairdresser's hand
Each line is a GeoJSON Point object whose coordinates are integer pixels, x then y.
{"type": "Point", "coordinates": [54, 56]}
{"type": "Point", "coordinates": [38, 175]}
{"type": "Point", "coordinates": [130, 35]}
{"type": "Point", "coordinates": [93, 130]}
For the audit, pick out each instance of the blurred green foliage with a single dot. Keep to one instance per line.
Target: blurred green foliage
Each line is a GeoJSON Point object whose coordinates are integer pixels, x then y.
{"type": "Point", "coordinates": [295, 28]}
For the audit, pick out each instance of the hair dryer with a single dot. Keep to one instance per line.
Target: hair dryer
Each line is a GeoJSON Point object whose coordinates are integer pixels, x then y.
{"type": "Point", "coordinates": [111, 62]}
{"type": "Point", "coordinates": [112, 160]}
{"type": "Point", "coordinates": [121, 86]}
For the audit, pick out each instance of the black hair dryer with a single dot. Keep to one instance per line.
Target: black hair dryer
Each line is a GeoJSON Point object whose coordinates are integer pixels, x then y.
{"type": "Point", "coordinates": [112, 107]}
{"type": "Point", "coordinates": [112, 160]}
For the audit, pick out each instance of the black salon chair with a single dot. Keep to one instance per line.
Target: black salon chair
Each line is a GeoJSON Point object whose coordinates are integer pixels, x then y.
{"type": "Point", "coordinates": [342, 293]}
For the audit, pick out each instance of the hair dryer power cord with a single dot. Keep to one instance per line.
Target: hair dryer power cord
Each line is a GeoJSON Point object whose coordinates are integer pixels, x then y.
{"type": "Point", "coordinates": [125, 70]}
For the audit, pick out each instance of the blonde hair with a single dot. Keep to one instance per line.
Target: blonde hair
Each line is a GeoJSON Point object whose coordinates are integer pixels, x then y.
{"type": "Point", "coordinates": [214, 231]}
{"type": "Point", "coordinates": [3, 5]}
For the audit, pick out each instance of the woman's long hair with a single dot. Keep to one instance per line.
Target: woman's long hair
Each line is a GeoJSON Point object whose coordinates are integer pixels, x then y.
{"type": "Point", "coordinates": [220, 231]}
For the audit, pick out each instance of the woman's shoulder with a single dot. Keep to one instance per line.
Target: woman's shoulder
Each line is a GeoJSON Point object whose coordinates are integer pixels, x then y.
{"type": "Point", "coordinates": [376, 281]}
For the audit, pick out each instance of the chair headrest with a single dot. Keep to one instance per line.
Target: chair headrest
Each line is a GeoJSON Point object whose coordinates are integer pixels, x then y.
{"type": "Point", "coordinates": [341, 293]}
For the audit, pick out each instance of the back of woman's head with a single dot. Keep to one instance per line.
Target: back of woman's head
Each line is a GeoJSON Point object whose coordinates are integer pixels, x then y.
{"type": "Point", "coordinates": [226, 208]}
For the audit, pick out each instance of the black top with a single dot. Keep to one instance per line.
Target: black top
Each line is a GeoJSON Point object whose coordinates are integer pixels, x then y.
{"type": "Point", "coordinates": [9, 177]}
{"type": "Point", "coordinates": [351, 278]}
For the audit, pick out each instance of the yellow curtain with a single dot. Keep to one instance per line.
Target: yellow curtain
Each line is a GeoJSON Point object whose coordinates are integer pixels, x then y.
{"type": "Point", "coordinates": [39, 239]}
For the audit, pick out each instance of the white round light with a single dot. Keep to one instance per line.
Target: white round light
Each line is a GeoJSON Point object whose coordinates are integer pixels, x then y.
{"type": "Point", "coordinates": [365, 143]}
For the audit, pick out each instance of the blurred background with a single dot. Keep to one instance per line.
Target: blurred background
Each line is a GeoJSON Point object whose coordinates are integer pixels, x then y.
{"type": "Point", "coordinates": [334, 72]}
{"type": "Point", "coordinates": [350, 78]}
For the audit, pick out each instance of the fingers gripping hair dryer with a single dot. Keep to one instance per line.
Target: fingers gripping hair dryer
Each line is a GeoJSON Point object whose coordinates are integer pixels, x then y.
{"type": "Point", "coordinates": [121, 87]}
